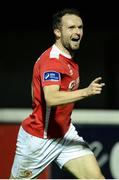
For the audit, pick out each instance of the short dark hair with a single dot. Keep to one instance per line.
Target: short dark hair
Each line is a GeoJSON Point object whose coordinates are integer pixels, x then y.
{"type": "Point", "coordinates": [56, 18]}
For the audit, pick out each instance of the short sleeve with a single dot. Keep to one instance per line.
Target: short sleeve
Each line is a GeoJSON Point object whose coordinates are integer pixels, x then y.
{"type": "Point", "coordinates": [51, 73]}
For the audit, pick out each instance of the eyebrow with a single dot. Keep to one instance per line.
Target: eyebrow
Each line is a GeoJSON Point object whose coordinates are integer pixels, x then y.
{"type": "Point", "coordinates": [73, 26]}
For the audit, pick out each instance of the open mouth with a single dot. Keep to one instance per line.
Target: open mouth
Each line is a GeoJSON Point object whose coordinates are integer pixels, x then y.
{"type": "Point", "coordinates": [76, 39]}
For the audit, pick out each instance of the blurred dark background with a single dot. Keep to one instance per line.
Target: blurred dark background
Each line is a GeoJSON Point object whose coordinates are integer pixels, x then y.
{"type": "Point", "coordinates": [26, 32]}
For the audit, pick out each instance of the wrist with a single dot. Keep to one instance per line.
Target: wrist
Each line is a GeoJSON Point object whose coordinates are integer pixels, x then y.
{"type": "Point", "coordinates": [86, 92]}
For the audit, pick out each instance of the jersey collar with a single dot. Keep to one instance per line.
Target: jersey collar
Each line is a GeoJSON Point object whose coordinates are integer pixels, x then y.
{"type": "Point", "coordinates": [62, 53]}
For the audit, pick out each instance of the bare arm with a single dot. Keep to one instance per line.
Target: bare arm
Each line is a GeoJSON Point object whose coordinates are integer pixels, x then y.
{"type": "Point", "coordinates": [54, 96]}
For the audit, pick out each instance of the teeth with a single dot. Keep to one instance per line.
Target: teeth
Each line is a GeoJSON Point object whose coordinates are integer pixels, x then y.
{"type": "Point", "coordinates": [75, 39]}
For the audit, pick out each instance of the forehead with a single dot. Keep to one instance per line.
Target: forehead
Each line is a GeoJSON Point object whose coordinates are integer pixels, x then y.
{"type": "Point", "coordinates": [71, 19]}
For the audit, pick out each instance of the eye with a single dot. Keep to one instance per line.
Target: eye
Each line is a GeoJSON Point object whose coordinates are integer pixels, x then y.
{"type": "Point", "coordinates": [71, 27]}
{"type": "Point", "coordinates": [80, 27]}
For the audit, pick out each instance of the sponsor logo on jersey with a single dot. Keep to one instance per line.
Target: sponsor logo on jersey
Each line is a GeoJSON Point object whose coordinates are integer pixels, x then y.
{"type": "Point", "coordinates": [51, 76]}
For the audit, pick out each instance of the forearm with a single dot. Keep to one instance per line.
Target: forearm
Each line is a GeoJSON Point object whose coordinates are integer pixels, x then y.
{"type": "Point", "coordinates": [54, 96]}
{"type": "Point", "coordinates": [63, 97]}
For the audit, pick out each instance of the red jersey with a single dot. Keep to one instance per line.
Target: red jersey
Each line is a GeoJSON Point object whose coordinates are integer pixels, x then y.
{"type": "Point", "coordinates": [52, 68]}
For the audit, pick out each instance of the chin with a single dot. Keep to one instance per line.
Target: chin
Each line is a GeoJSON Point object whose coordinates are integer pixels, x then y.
{"type": "Point", "coordinates": [75, 48]}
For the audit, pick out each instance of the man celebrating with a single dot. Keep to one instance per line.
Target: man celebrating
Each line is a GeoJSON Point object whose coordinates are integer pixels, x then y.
{"type": "Point", "coordinates": [47, 134]}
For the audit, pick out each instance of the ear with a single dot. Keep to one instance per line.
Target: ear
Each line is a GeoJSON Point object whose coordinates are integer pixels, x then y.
{"type": "Point", "coordinates": [57, 33]}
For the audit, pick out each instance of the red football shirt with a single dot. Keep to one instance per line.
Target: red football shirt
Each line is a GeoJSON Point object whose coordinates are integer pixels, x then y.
{"type": "Point", "coordinates": [52, 68]}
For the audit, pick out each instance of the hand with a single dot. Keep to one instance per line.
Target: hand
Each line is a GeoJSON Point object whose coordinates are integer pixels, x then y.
{"type": "Point", "coordinates": [95, 87]}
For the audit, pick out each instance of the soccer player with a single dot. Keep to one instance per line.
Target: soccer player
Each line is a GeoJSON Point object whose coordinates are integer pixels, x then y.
{"type": "Point", "coordinates": [47, 134]}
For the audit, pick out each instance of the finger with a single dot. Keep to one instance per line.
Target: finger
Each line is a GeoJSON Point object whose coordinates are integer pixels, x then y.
{"type": "Point", "coordinates": [97, 80]}
{"type": "Point", "coordinates": [98, 92]}
{"type": "Point", "coordinates": [102, 84]}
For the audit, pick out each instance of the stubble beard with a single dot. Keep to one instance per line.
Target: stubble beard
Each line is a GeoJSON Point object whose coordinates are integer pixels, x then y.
{"type": "Point", "coordinates": [72, 49]}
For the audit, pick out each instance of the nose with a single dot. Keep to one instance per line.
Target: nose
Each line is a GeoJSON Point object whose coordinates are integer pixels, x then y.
{"type": "Point", "coordinates": [77, 31]}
